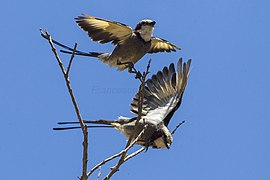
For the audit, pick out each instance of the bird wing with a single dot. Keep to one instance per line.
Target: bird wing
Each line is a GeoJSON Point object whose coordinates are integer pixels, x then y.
{"type": "Point", "coordinates": [104, 31]}
{"type": "Point", "coordinates": [163, 93]}
{"type": "Point", "coordinates": [161, 45]}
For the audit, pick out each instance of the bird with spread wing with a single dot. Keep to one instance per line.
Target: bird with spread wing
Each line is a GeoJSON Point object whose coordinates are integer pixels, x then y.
{"type": "Point", "coordinates": [162, 96]}
{"type": "Point", "coordinates": [131, 44]}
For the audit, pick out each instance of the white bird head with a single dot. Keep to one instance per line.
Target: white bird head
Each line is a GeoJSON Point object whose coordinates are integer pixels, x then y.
{"type": "Point", "coordinates": [145, 29]}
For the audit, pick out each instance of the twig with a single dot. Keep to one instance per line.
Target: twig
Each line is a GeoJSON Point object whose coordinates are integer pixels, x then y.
{"type": "Point", "coordinates": [134, 154]}
{"type": "Point", "coordinates": [104, 162]}
{"type": "Point", "coordinates": [140, 104]}
{"type": "Point", "coordinates": [99, 173]}
{"type": "Point", "coordinates": [82, 124]}
{"type": "Point", "coordinates": [177, 127]}
{"type": "Point", "coordinates": [138, 74]}
{"type": "Point", "coordinates": [118, 154]}
{"type": "Point", "coordinates": [71, 58]}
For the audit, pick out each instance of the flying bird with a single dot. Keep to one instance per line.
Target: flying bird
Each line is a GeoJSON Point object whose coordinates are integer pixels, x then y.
{"type": "Point", "coordinates": [162, 97]}
{"type": "Point", "coordinates": [131, 44]}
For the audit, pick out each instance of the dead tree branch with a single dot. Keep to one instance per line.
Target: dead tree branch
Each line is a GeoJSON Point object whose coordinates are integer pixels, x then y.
{"type": "Point", "coordinates": [82, 124]}
{"type": "Point", "coordinates": [71, 58]}
{"type": "Point", "coordinates": [115, 168]}
{"type": "Point", "coordinates": [135, 153]}
{"type": "Point", "coordinates": [118, 154]}
{"type": "Point", "coordinates": [132, 139]}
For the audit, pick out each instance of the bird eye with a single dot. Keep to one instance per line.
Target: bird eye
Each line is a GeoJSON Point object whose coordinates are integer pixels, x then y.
{"type": "Point", "coordinates": [139, 26]}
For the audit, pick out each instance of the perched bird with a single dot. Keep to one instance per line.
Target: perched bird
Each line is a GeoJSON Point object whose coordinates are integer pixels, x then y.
{"type": "Point", "coordinates": [162, 97]}
{"type": "Point", "coordinates": [131, 44]}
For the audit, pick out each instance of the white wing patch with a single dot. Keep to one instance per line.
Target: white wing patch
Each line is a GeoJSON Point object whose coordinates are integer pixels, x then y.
{"type": "Point", "coordinates": [163, 94]}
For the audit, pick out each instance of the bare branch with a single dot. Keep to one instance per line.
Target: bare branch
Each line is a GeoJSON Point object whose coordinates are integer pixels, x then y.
{"type": "Point", "coordinates": [137, 73]}
{"type": "Point", "coordinates": [177, 127]}
{"type": "Point", "coordinates": [135, 153]}
{"type": "Point", "coordinates": [82, 124]}
{"type": "Point", "coordinates": [131, 141]}
{"type": "Point", "coordinates": [71, 58]}
{"type": "Point", "coordinates": [104, 162]}
{"type": "Point", "coordinates": [118, 154]}
{"type": "Point", "coordinates": [140, 104]}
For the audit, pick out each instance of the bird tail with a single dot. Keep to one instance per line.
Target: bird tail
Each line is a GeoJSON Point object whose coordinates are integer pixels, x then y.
{"type": "Point", "coordinates": [70, 50]}
{"type": "Point", "coordinates": [104, 57]}
{"type": "Point", "coordinates": [81, 53]}
{"type": "Point", "coordinates": [99, 124]}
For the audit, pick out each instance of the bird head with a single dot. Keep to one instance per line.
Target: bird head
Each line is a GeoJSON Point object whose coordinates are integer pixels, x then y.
{"type": "Point", "coordinates": [145, 22]}
{"type": "Point", "coordinates": [145, 29]}
{"type": "Point", "coordinates": [165, 140]}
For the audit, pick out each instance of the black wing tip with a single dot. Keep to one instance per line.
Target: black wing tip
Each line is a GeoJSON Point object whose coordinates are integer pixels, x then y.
{"type": "Point", "coordinates": [176, 47]}
{"type": "Point", "coordinates": [83, 16]}
{"type": "Point", "coordinates": [186, 65]}
{"type": "Point", "coordinates": [189, 62]}
{"type": "Point", "coordinates": [171, 68]}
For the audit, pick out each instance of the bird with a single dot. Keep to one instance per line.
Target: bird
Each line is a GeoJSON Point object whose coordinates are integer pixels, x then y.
{"type": "Point", "coordinates": [162, 96]}
{"type": "Point", "coordinates": [131, 44]}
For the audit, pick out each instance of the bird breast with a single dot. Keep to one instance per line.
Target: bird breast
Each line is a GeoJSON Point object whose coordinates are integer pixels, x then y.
{"type": "Point", "coordinates": [146, 32]}
{"type": "Point", "coordinates": [132, 50]}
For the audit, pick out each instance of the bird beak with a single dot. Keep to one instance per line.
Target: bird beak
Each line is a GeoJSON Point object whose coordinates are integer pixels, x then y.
{"type": "Point", "coordinates": [168, 145]}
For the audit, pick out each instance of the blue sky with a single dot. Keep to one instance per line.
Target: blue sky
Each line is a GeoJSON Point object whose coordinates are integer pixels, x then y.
{"type": "Point", "coordinates": [226, 104]}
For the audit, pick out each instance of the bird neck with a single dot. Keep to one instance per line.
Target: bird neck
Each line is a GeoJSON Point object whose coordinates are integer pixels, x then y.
{"type": "Point", "coordinates": [146, 33]}
{"type": "Point", "coordinates": [164, 140]}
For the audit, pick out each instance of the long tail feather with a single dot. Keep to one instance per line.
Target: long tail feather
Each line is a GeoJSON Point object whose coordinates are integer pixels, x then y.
{"type": "Point", "coordinates": [101, 121]}
{"type": "Point", "coordinates": [78, 127]}
{"type": "Point", "coordinates": [80, 53]}
{"type": "Point", "coordinates": [77, 52]}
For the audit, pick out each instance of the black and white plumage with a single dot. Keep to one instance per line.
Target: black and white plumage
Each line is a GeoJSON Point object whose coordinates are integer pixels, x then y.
{"type": "Point", "coordinates": [162, 97]}
{"type": "Point", "coordinates": [131, 44]}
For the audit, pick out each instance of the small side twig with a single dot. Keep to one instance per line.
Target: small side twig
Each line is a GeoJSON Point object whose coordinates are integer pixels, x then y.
{"type": "Point", "coordinates": [71, 58]}
{"type": "Point", "coordinates": [99, 173]}
{"type": "Point", "coordinates": [82, 124]}
{"type": "Point", "coordinates": [138, 73]}
{"type": "Point", "coordinates": [177, 127]}
{"type": "Point", "coordinates": [135, 153]}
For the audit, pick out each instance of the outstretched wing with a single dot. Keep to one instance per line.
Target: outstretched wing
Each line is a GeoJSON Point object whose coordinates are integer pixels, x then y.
{"type": "Point", "coordinates": [104, 31]}
{"type": "Point", "coordinates": [163, 93]}
{"type": "Point", "coordinates": [161, 45]}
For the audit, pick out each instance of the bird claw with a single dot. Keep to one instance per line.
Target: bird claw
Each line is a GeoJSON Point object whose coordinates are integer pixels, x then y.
{"type": "Point", "coordinates": [130, 65]}
{"type": "Point", "coordinates": [138, 75]}
{"type": "Point", "coordinates": [131, 68]}
{"type": "Point", "coordinates": [147, 145]}
{"type": "Point", "coordinates": [146, 148]}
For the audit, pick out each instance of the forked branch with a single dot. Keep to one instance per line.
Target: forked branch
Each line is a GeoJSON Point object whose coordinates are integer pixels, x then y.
{"type": "Point", "coordinates": [47, 36]}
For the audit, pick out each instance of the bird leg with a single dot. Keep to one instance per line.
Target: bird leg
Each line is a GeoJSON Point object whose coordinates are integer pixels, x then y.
{"type": "Point", "coordinates": [131, 68]}
{"type": "Point", "coordinates": [129, 64]}
{"type": "Point", "coordinates": [147, 145]}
